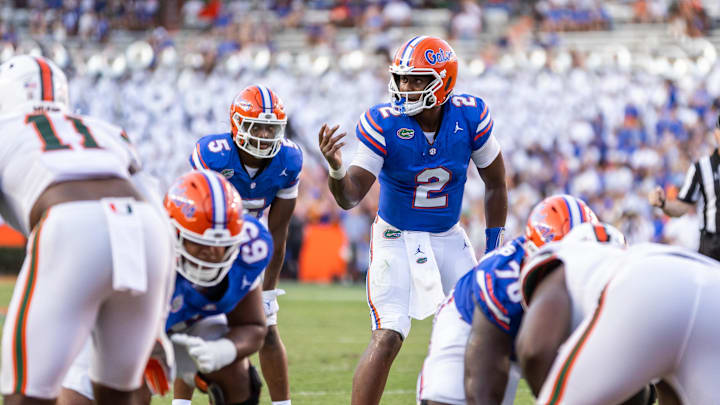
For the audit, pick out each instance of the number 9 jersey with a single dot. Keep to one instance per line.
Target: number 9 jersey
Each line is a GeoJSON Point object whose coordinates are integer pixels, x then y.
{"type": "Point", "coordinates": [422, 183]}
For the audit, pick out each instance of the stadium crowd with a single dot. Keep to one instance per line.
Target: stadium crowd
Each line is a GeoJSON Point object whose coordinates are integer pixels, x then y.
{"type": "Point", "coordinates": [604, 130]}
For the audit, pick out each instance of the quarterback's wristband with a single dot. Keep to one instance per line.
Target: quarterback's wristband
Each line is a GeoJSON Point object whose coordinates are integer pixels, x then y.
{"type": "Point", "coordinates": [493, 238]}
{"type": "Point", "coordinates": [337, 174]}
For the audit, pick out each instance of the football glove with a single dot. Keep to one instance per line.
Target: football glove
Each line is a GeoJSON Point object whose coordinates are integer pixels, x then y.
{"type": "Point", "coordinates": [493, 238]}
{"type": "Point", "coordinates": [160, 369]}
{"type": "Point", "coordinates": [270, 303]}
{"type": "Point", "coordinates": [208, 355]}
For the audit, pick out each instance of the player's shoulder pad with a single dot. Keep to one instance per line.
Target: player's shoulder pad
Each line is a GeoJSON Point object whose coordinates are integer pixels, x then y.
{"type": "Point", "coordinates": [213, 152]}
{"type": "Point", "coordinates": [374, 125]}
{"type": "Point", "coordinates": [477, 113]}
{"type": "Point", "coordinates": [292, 156]}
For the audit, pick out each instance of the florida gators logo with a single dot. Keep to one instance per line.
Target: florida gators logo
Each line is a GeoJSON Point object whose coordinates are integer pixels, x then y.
{"type": "Point", "coordinates": [392, 234]}
{"type": "Point", "coordinates": [439, 56]}
{"type": "Point", "coordinates": [405, 133]}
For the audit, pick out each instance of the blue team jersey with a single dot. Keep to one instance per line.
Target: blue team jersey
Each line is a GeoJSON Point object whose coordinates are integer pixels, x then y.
{"type": "Point", "coordinates": [422, 184]}
{"type": "Point", "coordinates": [219, 153]}
{"type": "Point", "coordinates": [188, 305]}
{"type": "Point", "coordinates": [493, 287]}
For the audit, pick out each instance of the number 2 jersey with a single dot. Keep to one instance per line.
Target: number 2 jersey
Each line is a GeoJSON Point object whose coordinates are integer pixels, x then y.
{"type": "Point", "coordinates": [42, 148]}
{"type": "Point", "coordinates": [188, 304]}
{"type": "Point", "coordinates": [493, 287]}
{"type": "Point", "coordinates": [422, 184]}
{"type": "Point", "coordinates": [279, 178]}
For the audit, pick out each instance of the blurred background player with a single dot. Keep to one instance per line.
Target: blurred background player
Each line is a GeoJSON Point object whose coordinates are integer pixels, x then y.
{"type": "Point", "coordinates": [419, 146]}
{"type": "Point", "coordinates": [700, 180]}
{"type": "Point", "coordinates": [66, 184]}
{"type": "Point", "coordinates": [264, 167]}
{"type": "Point", "coordinates": [487, 300]}
{"type": "Point", "coordinates": [216, 319]}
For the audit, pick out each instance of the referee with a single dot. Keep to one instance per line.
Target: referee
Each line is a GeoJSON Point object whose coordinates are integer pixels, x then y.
{"type": "Point", "coordinates": [702, 179]}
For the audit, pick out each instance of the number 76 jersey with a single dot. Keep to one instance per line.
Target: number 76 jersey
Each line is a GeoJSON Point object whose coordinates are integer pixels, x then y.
{"type": "Point", "coordinates": [422, 184]}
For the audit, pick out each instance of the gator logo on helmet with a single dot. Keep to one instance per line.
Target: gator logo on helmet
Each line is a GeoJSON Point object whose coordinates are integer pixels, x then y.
{"type": "Point", "coordinates": [244, 105]}
{"type": "Point", "coordinates": [405, 133]}
{"type": "Point", "coordinates": [392, 234]}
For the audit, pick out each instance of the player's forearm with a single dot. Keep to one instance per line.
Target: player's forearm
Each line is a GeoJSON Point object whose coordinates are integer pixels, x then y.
{"type": "Point", "coordinates": [272, 273]}
{"type": "Point", "coordinates": [345, 191]}
{"type": "Point", "coordinates": [496, 205]}
{"type": "Point", "coordinates": [248, 338]}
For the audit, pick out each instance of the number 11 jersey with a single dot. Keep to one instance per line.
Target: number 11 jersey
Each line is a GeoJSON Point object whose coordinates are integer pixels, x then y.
{"type": "Point", "coordinates": [422, 183]}
{"type": "Point", "coordinates": [41, 148]}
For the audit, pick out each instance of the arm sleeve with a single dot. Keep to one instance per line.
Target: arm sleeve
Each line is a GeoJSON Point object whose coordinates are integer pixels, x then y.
{"type": "Point", "coordinates": [690, 191]}
{"type": "Point", "coordinates": [196, 159]}
{"type": "Point", "coordinates": [290, 192]}
{"type": "Point", "coordinates": [484, 129]}
{"type": "Point", "coordinates": [487, 153]}
{"type": "Point", "coordinates": [367, 159]}
{"type": "Point", "coordinates": [371, 134]}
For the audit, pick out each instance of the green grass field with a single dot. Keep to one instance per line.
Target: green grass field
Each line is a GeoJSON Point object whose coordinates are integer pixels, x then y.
{"type": "Point", "coordinates": [325, 329]}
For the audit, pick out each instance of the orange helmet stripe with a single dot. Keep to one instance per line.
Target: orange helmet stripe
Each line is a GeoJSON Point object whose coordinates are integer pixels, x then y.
{"type": "Point", "coordinates": [46, 80]}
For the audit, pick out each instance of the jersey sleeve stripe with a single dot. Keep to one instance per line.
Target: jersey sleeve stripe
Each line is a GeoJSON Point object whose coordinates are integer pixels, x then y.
{"type": "Point", "coordinates": [497, 313]}
{"type": "Point", "coordinates": [368, 130]}
{"type": "Point", "coordinates": [485, 131]}
{"type": "Point", "coordinates": [372, 122]}
{"type": "Point", "coordinates": [367, 140]}
{"type": "Point", "coordinates": [491, 290]}
{"type": "Point", "coordinates": [500, 322]}
{"type": "Point", "coordinates": [484, 113]}
{"type": "Point", "coordinates": [483, 123]}
{"type": "Point", "coordinates": [198, 161]}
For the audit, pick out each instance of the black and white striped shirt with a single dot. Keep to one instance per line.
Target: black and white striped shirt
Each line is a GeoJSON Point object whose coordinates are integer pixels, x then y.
{"type": "Point", "coordinates": [702, 179]}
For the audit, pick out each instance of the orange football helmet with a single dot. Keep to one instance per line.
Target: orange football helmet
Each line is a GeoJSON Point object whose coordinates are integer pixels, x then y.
{"type": "Point", "coordinates": [423, 55]}
{"type": "Point", "coordinates": [206, 209]}
{"type": "Point", "coordinates": [554, 217]}
{"type": "Point", "coordinates": [258, 119]}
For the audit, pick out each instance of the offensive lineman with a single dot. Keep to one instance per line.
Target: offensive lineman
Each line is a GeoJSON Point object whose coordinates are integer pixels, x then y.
{"type": "Point", "coordinates": [265, 169]}
{"type": "Point", "coordinates": [99, 258]}
{"type": "Point", "coordinates": [419, 147]}
{"type": "Point", "coordinates": [216, 318]}
{"type": "Point", "coordinates": [474, 330]}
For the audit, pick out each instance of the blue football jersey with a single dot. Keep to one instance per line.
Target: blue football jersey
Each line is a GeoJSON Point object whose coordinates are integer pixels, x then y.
{"type": "Point", "coordinates": [422, 184]}
{"type": "Point", "coordinates": [219, 153]}
{"type": "Point", "coordinates": [493, 286]}
{"type": "Point", "coordinates": [188, 304]}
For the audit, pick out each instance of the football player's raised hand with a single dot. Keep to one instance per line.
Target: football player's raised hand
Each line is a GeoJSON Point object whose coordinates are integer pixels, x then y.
{"type": "Point", "coordinates": [330, 146]}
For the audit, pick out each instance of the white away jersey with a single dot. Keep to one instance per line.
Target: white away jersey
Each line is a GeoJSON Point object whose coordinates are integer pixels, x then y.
{"type": "Point", "coordinates": [38, 149]}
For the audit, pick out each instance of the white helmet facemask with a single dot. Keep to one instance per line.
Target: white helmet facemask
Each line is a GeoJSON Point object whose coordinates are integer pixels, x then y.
{"type": "Point", "coordinates": [400, 100]}
{"type": "Point", "coordinates": [261, 147]}
{"type": "Point", "coordinates": [201, 272]}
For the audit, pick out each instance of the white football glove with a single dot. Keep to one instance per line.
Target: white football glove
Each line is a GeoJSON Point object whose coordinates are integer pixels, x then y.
{"type": "Point", "coordinates": [208, 355]}
{"type": "Point", "coordinates": [270, 304]}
